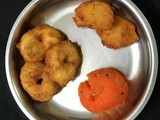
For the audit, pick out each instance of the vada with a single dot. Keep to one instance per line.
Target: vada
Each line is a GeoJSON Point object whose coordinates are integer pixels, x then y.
{"type": "Point", "coordinates": [94, 14]}
{"type": "Point", "coordinates": [105, 90]}
{"type": "Point", "coordinates": [62, 61]}
{"type": "Point", "coordinates": [123, 33]}
{"type": "Point", "coordinates": [35, 82]}
{"type": "Point", "coordinates": [34, 43]}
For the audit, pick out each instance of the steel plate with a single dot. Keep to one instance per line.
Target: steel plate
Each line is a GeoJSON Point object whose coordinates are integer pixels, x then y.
{"type": "Point", "coordinates": [138, 62]}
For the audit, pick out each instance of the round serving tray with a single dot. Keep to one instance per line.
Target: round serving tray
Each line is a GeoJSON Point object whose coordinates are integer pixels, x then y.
{"type": "Point", "coordinates": [139, 62]}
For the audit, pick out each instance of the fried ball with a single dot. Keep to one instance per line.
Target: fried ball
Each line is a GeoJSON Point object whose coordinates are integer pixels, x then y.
{"type": "Point", "coordinates": [35, 82]}
{"type": "Point", "coordinates": [94, 14]}
{"type": "Point", "coordinates": [62, 61]}
{"type": "Point", "coordinates": [105, 90]}
{"type": "Point", "coordinates": [34, 43]}
{"type": "Point", "coordinates": [122, 34]}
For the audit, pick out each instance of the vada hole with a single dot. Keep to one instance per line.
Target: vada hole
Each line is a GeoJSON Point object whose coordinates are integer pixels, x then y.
{"type": "Point", "coordinates": [40, 40]}
{"type": "Point", "coordinates": [65, 60]}
{"type": "Point", "coordinates": [39, 81]}
{"type": "Point", "coordinates": [39, 37]}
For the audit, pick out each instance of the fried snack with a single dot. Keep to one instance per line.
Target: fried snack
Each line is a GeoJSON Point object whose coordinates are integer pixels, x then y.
{"type": "Point", "coordinates": [94, 14]}
{"type": "Point", "coordinates": [34, 43]}
{"type": "Point", "coordinates": [122, 34]}
{"type": "Point", "coordinates": [35, 82]}
{"type": "Point", "coordinates": [105, 90]}
{"type": "Point", "coordinates": [62, 61]}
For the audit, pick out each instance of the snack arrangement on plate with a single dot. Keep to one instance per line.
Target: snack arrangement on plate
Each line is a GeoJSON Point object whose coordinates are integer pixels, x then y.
{"type": "Point", "coordinates": [114, 31]}
{"type": "Point", "coordinates": [51, 61]}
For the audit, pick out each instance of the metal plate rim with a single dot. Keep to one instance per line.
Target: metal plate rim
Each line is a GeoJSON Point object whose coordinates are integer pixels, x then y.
{"type": "Point", "coordinates": [154, 55]}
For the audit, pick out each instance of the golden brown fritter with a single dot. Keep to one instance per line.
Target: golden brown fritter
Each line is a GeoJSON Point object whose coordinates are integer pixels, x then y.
{"type": "Point", "coordinates": [94, 14]}
{"type": "Point", "coordinates": [123, 33]}
{"type": "Point", "coordinates": [62, 61]}
{"type": "Point", "coordinates": [36, 83]}
{"type": "Point", "coordinates": [34, 43]}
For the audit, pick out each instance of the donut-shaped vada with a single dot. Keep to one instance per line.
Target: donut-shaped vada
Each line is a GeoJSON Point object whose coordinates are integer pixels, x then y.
{"type": "Point", "coordinates": [62, 61]}
{"type": "Point", "coordinates": [105, 90]}
{"type": "Point", "coordinates": [35, 82]}
{"type": "Point", "coordinates": [34, 43]}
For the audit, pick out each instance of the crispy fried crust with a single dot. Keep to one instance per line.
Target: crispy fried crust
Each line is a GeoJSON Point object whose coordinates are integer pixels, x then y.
{"type": "Point", "coordinates": [62, 61]}
{"type": "Point", "coordinates": [36, 42]}
{"type": "Point", "coordinates": [94, 14]}
{"type": "Point", "coordinates": [105, 90]}
{"type": "Point", "coordinates": [35, 82]}
{"type": "Point", "coordinates": [123, 33]}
